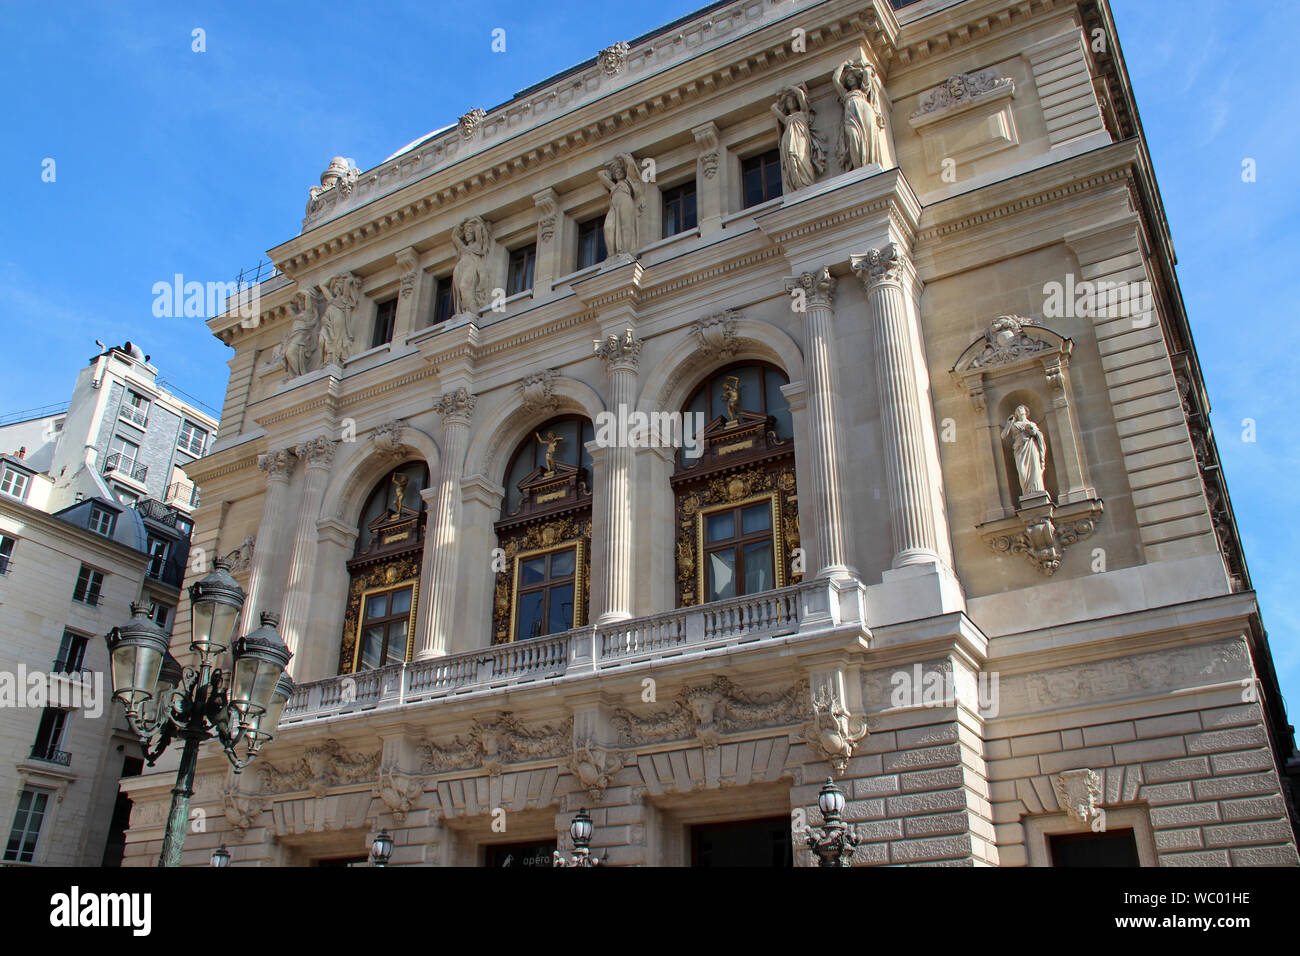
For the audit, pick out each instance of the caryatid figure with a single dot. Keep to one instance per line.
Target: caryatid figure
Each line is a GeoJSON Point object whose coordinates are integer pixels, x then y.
{"type": "Point", "coordinates": [862, 134]}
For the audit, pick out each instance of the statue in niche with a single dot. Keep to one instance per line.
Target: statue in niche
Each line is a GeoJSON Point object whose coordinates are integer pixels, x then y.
{"type": "Point", "coordinates": [731, 395]}
{"type": "Point", "coordinates": [622, 177]}
{"type": "Point", "coordinates": [399, 493]}
{"type": "Point", "coordinates": [803, 155]}
{"type": "Point", "coordinates": [471, 280]}
{"type": "Point", "coordinates": [299, 345]}
{"type": "Point", "coordinates": [1029, 451]}
{"type": "Point", "coordinates": [336, 333]}
{"type": "Point", "coordinates": [862, 133]}
{"type": "Point", "coordinates": [552, 442]}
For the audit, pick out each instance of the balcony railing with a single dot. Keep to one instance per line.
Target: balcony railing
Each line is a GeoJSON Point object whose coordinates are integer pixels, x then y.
{"type": "Point", "coordinates": [51, 755]}
{"type": "Point", "coordinates": [127, 466]}
{"type": "Point", "coordinates": [186, 495]}
{"type": "Point", "coordinates": [583, 651]}
{"type": "Point", "coordinates": [139, 417]}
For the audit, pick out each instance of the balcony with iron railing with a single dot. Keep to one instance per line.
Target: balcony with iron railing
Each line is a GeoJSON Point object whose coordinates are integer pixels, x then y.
{"type": "Point", "coordinates": [127, 466]}
{"type": "Point", "coordinates": [139, 417]}
{"type": "Point", "coordinates": [183, 494]}
{"type": "Point", "coordinates": [51, 755]}
{"type": "Point", "coordinates": [765, 619]}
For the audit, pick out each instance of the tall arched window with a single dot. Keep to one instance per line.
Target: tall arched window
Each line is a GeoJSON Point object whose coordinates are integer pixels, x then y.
{"type": "Point", "coordinates": [384, 573]}
{"type": "Point", "coordinates": [545, 531]}
{"type": "Point", "coordinates": [737, 507]}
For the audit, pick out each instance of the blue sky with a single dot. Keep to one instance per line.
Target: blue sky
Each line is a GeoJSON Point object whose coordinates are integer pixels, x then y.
{"type": "Point", "coordinates": [168, 160]}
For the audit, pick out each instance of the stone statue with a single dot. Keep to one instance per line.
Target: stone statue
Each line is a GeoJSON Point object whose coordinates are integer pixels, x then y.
{"type": "Point", "coordinates": [622, 177]}
{"type": "Point", "coordinates": [336, 335]}
{"type": "Point", "coordinates": [1029, 451]}
{"type": "Point", "coordinates": [862, 134]}
{"type": "Point", "coordinates": [299, 346]}
{"type": "Point", "coordinates": [552, 442]}
{"type": "Point", "coordinates": [731, 395]}
{"type": "Point", "coordinates": [470, 280]}
{"type": "Point", "coordinates": [803, 156]}
{"type": "Point", "coordinates": [399, 493]}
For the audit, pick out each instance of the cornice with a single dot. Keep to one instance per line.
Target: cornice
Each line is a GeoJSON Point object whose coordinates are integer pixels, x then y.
{"type": "Point", "coordinates": [81, 540]}
{"type": "Point", "coordinates": [223, 464]}
{"type": "Point", "coordinates": [965, 24]}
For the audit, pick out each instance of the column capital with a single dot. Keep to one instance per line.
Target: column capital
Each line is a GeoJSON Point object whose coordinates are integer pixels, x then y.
{"type": "Point", "coordinates": [456, 407]}
{"type": "Point", "coordinates": [547, 203]}
{"type": "Point", "coordinates": [408, 261]}
{"type": "Point", "coordinates": [278, 465]}
{"type": "Point", "coordinates": [818, 286]}
{"type": "Point", "coordinates": [619, 354]}
{"type": "Point", "coordinates": [708, 137]}
{"type": "Point", "coordinates": [879, 266]}
{"type": "Point", "coordinates": [318, 452]}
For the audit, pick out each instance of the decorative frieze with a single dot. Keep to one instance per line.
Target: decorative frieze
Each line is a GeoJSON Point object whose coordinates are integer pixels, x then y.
{"type": "Point", "coordinates": [706, 712]}
{"type": "Point", "coordinates": [961, 89]}
{"type": "Point", "coordinates": [320, 767]}
{"type": "Point", "coordinates": [492, 744]}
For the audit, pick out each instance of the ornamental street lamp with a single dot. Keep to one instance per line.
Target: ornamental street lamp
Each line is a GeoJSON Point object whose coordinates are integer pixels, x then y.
{"type": "Point", "coordinates": [580, 830]}
{"type": "Point", "coordinates": [381, 850]}
{"type": "Point", "coordinates": [221, 857]}
{"type": "Point", "coordinates": [834, 841]}
{"type": "Point", "coordinates": [164, 700]}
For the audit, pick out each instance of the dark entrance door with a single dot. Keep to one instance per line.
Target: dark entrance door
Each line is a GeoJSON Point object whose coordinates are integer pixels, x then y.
{"type": "Point", "coordinates": [1114, 848]}
{"type": "Point", "coordinates": [757, 843]}
{"type": "Point", "coordinates": [534, 854]}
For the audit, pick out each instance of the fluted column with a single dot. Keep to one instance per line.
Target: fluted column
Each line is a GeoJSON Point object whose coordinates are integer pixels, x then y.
{"type": "Point", "coordinates": [906, 462]}
{"type": "Point", "coordinates": [622, 355]}
{"type": "Point", "coordinates": [272, 534]}
{"type": "Point", "coordinates": [824, 421]}
{"type": "Point", "coordinates": [318, 456]}
{"type": "Point", "coordinates": [442, 534]}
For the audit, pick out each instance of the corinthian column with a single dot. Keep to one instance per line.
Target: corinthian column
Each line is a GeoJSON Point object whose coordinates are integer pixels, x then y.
{"type": "Point", "coordinates": [907, 466]}
{"type": "Point", "coordinates": [272, 534]}
{"type": "Point", "coordinates": [823, 420]}
{"type": "Point", "coordinates": [442, 536]}
{"type": "Point", "coordinates": [318, 456]}
{"type": "Point", "coordinates": [621, 355]}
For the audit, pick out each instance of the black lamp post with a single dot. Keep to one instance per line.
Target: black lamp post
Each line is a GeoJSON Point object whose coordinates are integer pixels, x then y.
{"type": "Point", "coordinates": [580, 830]}
{"type": "Point", "coordinates": [164, 701]}
{"type": "Point", "coordinates": [834, 841]}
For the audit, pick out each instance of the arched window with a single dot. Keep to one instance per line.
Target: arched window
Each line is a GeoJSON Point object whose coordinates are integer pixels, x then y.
{"type": "Point", "coordinates": [384, 573]}
{"type": "Point", "coordinates": [545, 532]}
{"type": "Point", "coordinates": [737, 507]}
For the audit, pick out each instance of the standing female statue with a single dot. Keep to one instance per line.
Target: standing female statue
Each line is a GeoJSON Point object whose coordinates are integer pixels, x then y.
{"type": "Point", "coordinates": [803, 157]}
{"type": "Point", "coordinates": [470, 280]}
{"type": "Point", "coordinates": [862, 134]}
{"type": "Point", "coordinates": [621, 176]}
{"type": "Point", "coordinates": [299, 345]}
{"type": "Point", "coordinates": [336, 324]}
{"type": "Point", "coordinates": [1029, 451]}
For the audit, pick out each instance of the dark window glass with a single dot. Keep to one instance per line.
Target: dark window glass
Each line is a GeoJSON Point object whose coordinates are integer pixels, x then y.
{"type": "Point", "coordinates": [679, 209]}
{"type": "Point", "coordinates": [443, 303]}
{"type": "Point", "coordinates": [6, 553]}
{"type": "Point", "coordinates": [545, 588]}
{"type": "Point", "coordinates": [158, 549]}
{"type": "Point", "coordinates": [385, 323]}
{"type": "Point", "coordinates": [753, 843]}
{"type": "Point", "coordinates": [102, 521]}
{"type": "Point", "coordinates": [760, 391]}
{"type": "Point", "coordinates": [530, 454]}
{"type": "Point", "coordinates": [738, 551]}
{"type": "Point", "coordinates": [381, 498]}
{"type": "Point", "coordinates": [89, 584]}
{"type": "Point", "coordinates": [21, 846]}
{"type": "Point", "coordinates": [72, 653]}
{"type": "Point", "coordinates": [761, 177]}
{"type": "Point", "coordinates": [193, 439]}
{"type": "Point", "coordinates": [591, 242]}
{"type": "Point", "coordinates": [1112, 848]}
{"type": "Point", "coordinates": [49, 735]}
{"type": "Point", "coordinates": [519, 277]}
{"type": "Point", "coordinates": [522, 854]}
{"type": "Point", "coordinates": [384, 624]}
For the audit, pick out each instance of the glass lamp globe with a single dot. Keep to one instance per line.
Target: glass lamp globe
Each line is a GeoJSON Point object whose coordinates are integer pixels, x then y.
{"type": "Point", "coordinates": [215, 603]}
{"type": "Point", "coordinates": [260, 659]}
{"type": "Point", "coordinates": [136, 651]}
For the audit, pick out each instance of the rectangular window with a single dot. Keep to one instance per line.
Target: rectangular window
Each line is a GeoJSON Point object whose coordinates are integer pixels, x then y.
{"type": "Point", "coordinates": [158, 550]}
{"type": "Point", "coordinates": [89, 583]}
{"type": "Point", "coordinates": [32, 803]}
{"type": "Point", "coordinates": [6, 552]}
{"type": "Point", "coordinates": [193, 439]}
{"type": "Point", "coordinates": [444, 305]}
{"type": "Point", "coordinates": [49, 736]}
{"type": "Point", "coordinates": [385, 623]}
{"type": "Point", "coordinates": [761, 177]}
{"type": "Point", "coordinates": [385, 323]}
{"type": "Point", "coordinates": [102, 521]}
{"type": "Point", "coordinates": [161, 614]}
{"type": "Point", "coordinates": [738, 554]}
{"type": "Point", "coordinates": [14, 483]}
{"type": "Point", "coordinates": [72, 653]}
{"type": "Point", "coordinates": [122, 455]}
{"type": "Point", "coordinates": [545, 588]}
{"type": "Point", "coordinates": [135, 409]}
{"type": "Point", "coordinates": [679, 209]}
{"type": "Point", "coordinates": [519, 277]}
{"type": "Point", "coordinates": [591, 242]}
{"type": "Point", "coordinates": [1111, 848]}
